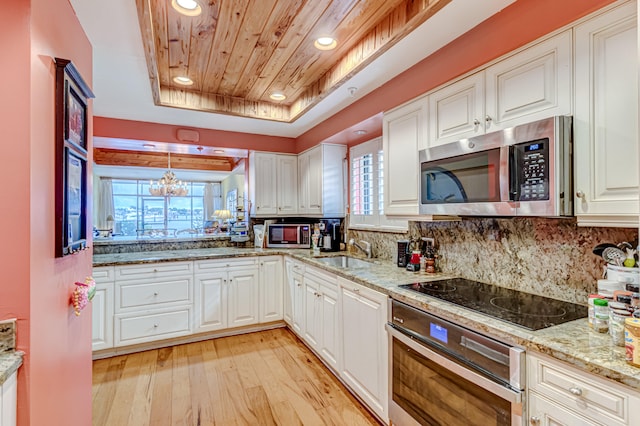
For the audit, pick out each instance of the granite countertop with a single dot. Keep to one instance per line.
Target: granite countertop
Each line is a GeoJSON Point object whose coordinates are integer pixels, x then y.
{"type": "Point", "coordinates": [573, 342]}
{"type": "Point", "coordinates": [9, 363]}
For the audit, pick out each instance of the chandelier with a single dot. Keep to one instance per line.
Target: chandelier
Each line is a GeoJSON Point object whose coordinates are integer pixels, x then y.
{"type": "Point", "coordinates": [168, 185]}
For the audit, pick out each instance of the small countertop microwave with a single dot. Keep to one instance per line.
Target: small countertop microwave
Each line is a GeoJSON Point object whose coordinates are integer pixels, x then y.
{"type": "Point", "coordinates": [286, 235]}
{"type": "Point", "coordinates": [521, 171]}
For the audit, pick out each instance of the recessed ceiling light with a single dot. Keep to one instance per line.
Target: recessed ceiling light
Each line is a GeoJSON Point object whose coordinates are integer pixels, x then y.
{"type": "Point", "coordinates": [325, 43]}
{"type": "Point", "coordinates": [185, 81]}
{"type": "Point", "coordinates": [360, 132]}
{"type": "Point", "coordinates": [277, 96]}
{"type": "Point", "coordinates": [148, 145]}
{"type": "Point", "coordinates": [187, 7]}
{"type": "Point", "coordinates": [218, 151]}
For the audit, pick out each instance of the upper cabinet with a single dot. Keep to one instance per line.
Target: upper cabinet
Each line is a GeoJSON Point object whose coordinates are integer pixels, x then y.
{"type": "Point", "coordinates": [403, 135]}
{"type": "Point", "coordinates": [321, 181]}
{"type": "Point", "coordinates": [606, 119]}
{"type": "Point", "coordinates": [310, 184]}
{"type": "Point", "coordinates": [528, 86]}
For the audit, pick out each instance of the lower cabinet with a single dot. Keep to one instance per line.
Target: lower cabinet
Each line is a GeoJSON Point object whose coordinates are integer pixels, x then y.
{"type": "Point", "coordinates": [9, 401]}
{"type": "Point", "coordinates": [102, 309]}
{"type": "Point", "coordinates": [271, 288]}
{"type": "Point", "coordinates": [322, 325]}
{"type": "Point", "coordinates": [559, 394]}
{"type": "Point", "coordinates": [365, 354]}
{"type": "Point", "coordinates": [226, 293]}
{"type": "Point", "coordinates": [294, 295]}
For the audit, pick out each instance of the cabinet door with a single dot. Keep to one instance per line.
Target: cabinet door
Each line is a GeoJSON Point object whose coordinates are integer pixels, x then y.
{"type": "Point", "coordinates": [364, 344]}
{"type": "Point", "coordinates": [102, 317]}
{"type": "Point", "coordinates": [287, 184]}
{"type": "Point", "coordinates": [9, 401]}
{"type": "Point", "coordinates": [330, 325]}
{"type": "Point", "coordinates": [298, 304]}
{"type": "Point", "coordinates": [287, 307]}
{"type": "Point", "coordinates": [403, 134]}
{"type": "Point", "coordinates": [530, 85]}
{"type": "Point", "coordinates": [271, 286]}
{"type": "Point", "coordinates": [263, 182]}
{"type": "Point", "coordinates": [210, 301]}
{"type": "Point", "coordinates": [457, 111]}
{"type": "Point", "coordinates": [312, 319]}
{"type": "Point", "coordinates": [606, 119]}
{"type": "Point", "coordinates": [314, 181]}
{"type": "Point", "coordinates": [243, 297]}
{"type": "Point", "coordinates": [543, 412]}
{"type": "Point", "coordinates": [303, 183]}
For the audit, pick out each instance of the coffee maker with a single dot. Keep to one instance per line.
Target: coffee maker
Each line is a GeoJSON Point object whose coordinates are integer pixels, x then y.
{"type": "Point", "coordinates": [329, 234]}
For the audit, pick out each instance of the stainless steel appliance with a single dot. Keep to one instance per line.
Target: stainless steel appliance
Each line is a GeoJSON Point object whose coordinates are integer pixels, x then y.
{"type": "Point", "coordinates": [521, 171]}
{"type": "Point", "coordinates": [444, 374]}
{"type": "Point", "coordinates": [289, 235]}
{"type": "Point", "coordinates": [329, 234]}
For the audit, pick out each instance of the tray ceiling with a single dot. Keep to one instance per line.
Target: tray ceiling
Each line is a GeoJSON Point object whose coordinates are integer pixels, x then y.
{"type": "Point", "coordinates": [239, 52]}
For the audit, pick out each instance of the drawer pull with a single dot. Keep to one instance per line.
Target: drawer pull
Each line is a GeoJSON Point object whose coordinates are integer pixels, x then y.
{"type": "Point", "coordinates": [576, 391]}
{"type": "Point", "coordinates": [356, 290]}
{"type": "Point", "coordinates": [155, 270]}
{"type": "Point", "coordinates": [534, 420]}
{"type": "Point", "coordinates": [155, 325]}
{"type": "Point", "coordinates": [155, 293]}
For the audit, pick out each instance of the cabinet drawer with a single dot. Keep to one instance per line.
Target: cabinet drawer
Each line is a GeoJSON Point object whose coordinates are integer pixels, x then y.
{"type": "Point", "coordinates": [151, 270]}
{"type": "Point", "coordinates": [585, 394]}
{"type": "Point", "coordinates": [203, 266]}
{"type": "Point", "coordinates": [132, 329]}
{"type": "Point", "coordinates": [103, 274]}
{"type": "Point", "coordinates": [143, 294]}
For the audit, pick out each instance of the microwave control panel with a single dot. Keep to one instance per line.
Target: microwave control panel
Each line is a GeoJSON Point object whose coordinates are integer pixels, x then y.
{"type": "Point", "coordinates": [531, 160]}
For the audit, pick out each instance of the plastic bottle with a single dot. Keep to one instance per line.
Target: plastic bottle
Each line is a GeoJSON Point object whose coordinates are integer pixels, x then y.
{"type": "Point", "coordinates": [601, 315]}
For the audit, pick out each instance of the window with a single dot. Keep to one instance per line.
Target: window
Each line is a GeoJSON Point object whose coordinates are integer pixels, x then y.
{"type": "Point", "coordinates": [367, 189]}
{"type": "Point", "coordinates": [137, 211]}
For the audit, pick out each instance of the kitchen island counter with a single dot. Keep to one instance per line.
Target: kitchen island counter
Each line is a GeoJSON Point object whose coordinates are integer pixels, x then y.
{"type": "Point", "coordinates": [573, 342]}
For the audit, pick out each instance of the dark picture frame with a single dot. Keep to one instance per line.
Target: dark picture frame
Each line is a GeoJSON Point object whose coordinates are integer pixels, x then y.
{"type": "Point", "coordinates": [72, 95]}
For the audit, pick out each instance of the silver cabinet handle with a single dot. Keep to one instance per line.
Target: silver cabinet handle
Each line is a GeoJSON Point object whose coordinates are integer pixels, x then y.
{"type": "Point", "coordinates": [155, 325]}
{"type": "Point", "coordinates": [534, 420]}
{"type": "Point", "coordinates": [581, 195]}
{"type": "Point", "coordinates": [488, 119]}
{"type": "Point", "coordinates": [476, 122]}
{"type": "Point", "coordinates": [356, 290]}
{"type": "Point", "coordinates": [576, 391]}
{"type": "Point", "coordinates": [155, 270]}
{"type": "Point", "coordinates": [155, 293]}
{"type": "Point", "coordinates": [299, 285]}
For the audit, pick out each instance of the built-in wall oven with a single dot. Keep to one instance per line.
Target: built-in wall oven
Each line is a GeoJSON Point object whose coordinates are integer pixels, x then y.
{"type": "Point", "coordinates": [444, 374]}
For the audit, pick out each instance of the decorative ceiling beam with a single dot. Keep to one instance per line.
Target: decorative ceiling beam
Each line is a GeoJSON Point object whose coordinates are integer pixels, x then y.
{"type": "Point", "coordinates": [114, 157]}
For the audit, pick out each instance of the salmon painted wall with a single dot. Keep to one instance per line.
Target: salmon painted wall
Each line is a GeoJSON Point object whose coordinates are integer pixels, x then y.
{"type": "Point", "coordinates": [140, 130]}
{"type": "Point", "coordinates": [520, 23]}
{"type": "Point", "coordinates": [54, 383]}
{"type": "Point", "coordinates": [14, 220]}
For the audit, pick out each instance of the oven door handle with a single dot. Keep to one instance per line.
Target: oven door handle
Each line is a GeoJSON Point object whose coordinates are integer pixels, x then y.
{"type": "Point", "coordinates": [484, 351]}
{"type": "Point", "coordinates": [503, 392]}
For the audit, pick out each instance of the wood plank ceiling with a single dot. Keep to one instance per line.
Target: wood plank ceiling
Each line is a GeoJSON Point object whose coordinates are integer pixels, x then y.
{"type": "Point", "coordinates": [239, 52]}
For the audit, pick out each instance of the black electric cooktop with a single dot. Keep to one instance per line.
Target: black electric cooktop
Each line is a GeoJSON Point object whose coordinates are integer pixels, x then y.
{"type": "Point", "coordinates": [523, 309]}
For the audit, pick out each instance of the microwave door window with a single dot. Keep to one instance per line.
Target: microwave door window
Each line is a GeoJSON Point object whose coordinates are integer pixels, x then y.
{"type": "Point", "coordinates": [441, 186]}
{"type": "Point", "coordinates": [290, 234]}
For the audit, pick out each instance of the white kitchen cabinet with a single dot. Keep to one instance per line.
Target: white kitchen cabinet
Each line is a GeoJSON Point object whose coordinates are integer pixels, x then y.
{"type": "Point", "coordinates": [321, 181]}
{"type": "Point", "coordinates": [287, 184]}
{"type": "Point", "coordinates": [322, 328]}
{"type": "Point", "coordinates": [263, 183]}
{"type": "Point", "coordinates": [364, 344]}
{"type": "Point", "coordinates": [527, 86]}
{"type": "Point", "coordinates": [531, 85]}
{"type": "Point", "coordinates": [227, 294]}
{"type": "Point", "coordinates": [559, 394]}
{"type": "Point", "coordinates": [457, 111]}
{"type": "Point", "coordinates": [271, 288]}
{"type": "Point", "coordinates": [606, 119]}
{"type": "Point", "coordinates": [294, 295]}
{"type": "Point", "coordinates": [404, 132]}
{"type": "Point", "coordinates": [102, 307]}
{"type": "Point", "coordinates": [9, 401]}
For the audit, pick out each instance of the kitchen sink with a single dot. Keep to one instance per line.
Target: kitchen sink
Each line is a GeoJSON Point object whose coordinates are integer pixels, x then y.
{"type": "Point", "coordinates": [344, 262]}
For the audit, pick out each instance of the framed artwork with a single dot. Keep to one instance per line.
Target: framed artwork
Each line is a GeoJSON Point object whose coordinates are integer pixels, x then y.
{"type": "Point", "coordinates": [72, 95]}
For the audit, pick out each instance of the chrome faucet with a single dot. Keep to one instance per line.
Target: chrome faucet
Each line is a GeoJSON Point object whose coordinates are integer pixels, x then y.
{"type": "Point", "coordinates": [366, 248]}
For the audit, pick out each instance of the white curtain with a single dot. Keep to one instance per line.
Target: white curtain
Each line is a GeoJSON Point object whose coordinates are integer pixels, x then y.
{"type": "Point", "coordinates": [105, 207]}
{"type": "Point", "coordinates": [212, 200]}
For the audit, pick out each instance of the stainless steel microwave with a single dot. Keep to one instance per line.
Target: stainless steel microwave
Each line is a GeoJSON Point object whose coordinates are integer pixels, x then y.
{"type": "Point", "coordinates": [289, 235]}
{"type": "Point", "coordinates": [521, 171]}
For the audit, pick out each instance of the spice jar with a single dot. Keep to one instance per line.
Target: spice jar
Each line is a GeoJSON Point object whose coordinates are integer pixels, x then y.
{"type": "Point", "coordinates": [592, 311]}
{"type": "Point", "coordinates": [601, 315]}
{"type": "Point", "coordinates": [617, 319]}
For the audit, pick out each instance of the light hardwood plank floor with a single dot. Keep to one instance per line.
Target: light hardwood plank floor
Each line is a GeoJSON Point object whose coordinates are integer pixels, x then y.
{"type": "Point", "coordinates": [265, 378]}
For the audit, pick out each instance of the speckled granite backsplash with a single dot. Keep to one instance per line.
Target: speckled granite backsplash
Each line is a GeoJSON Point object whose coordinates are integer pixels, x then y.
{"type": "Point", "coordinates": [133, 246]}
{"type": "Point", "coordinates": [7, 335]}
{"type": "Point", "coordinates": [549, 257]}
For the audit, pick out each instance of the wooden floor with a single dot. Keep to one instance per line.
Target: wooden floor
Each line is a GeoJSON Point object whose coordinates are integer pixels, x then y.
{"type": "Point", "coordinates": [265, 378]}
